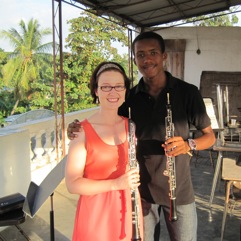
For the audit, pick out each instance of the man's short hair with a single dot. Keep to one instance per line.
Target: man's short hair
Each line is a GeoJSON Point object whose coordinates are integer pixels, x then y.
{"type": "Point", "coordinates": [149, 35]}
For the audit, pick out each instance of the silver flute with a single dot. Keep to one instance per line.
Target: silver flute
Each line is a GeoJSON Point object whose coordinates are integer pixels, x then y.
{"type": "Point", "coordinates": [170, 164]}
{"type": "Point", "coordinates": [133, 164]}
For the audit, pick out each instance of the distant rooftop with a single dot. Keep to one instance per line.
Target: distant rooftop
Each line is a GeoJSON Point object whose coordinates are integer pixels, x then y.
{"type": "Point", "coordinates": [29, 116]}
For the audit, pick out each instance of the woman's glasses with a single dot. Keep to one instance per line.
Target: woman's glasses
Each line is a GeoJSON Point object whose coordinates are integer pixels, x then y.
{"type": "Point", "coordinates": [108, 88]}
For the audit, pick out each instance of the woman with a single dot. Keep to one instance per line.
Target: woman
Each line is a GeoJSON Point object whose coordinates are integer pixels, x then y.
{"type": "Point", "coordinates": [97, 166]}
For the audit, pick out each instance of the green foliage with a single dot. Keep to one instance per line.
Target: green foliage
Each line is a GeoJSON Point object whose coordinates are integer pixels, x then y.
{"type": "Point", "coordinates": [6, 101]}
{"type": "Point", "coordinates": [28, 58]}
{"type": "Point", "coordinates": [90, 42]}
{"type": "Point", "coordinates": [26, 79]}
{"type": "Point", "coordinates": [3, 61]}
{"type": "Point", "coordinates": [215, 20]}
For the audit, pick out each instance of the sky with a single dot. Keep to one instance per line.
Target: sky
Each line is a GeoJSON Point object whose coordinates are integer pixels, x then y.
{"type": "Point", "coordinates": [12, 11]}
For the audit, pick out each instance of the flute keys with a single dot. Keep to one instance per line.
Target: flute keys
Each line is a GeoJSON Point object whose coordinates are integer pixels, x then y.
{"type": "Point", "coordinates": [165, 173]}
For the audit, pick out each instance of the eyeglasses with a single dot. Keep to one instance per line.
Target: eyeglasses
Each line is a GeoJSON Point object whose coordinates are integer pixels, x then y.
{"type": "Point", "coordinates": [108, 88]}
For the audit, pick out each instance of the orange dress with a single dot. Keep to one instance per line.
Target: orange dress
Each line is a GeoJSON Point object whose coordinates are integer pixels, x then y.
{"type": "Point", "coordinates": [105, 216]}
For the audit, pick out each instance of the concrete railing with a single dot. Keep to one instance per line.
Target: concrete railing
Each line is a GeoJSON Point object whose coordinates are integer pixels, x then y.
{"type": "Point", "coordinates": [28, 151]}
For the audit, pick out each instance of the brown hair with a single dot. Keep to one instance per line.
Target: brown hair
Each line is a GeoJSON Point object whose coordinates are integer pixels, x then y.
{"type": "Point", "coordinates": [103, 67]}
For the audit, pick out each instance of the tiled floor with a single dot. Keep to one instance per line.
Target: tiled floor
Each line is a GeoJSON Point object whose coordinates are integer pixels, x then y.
{"type": "Point", "coordinates": [38, 228]}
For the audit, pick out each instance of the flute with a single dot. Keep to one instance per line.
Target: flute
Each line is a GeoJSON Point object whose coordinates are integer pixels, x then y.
{"type": "Point", "coordinates": [134, 192]}
{"type": "Point", "coordinates": [170, 164]}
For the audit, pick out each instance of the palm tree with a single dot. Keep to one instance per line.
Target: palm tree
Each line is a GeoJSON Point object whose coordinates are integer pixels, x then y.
{"type": "Point", "coordinates": [27, 59]}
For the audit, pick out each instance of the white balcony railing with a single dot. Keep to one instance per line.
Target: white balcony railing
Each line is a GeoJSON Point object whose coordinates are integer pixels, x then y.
{"type": "Point", "coordinates": [28, 151]}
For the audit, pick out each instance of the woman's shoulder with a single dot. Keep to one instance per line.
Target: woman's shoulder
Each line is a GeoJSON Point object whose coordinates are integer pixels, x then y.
{"type": "Point", "coordinates": [84, 122]}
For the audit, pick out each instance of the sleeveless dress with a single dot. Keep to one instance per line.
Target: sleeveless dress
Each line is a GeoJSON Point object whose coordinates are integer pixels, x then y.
{"type": "Point", "coordinates": [105, 216]}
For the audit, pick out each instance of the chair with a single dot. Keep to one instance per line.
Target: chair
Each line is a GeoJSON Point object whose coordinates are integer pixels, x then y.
{"type": "Point", "coordinates": [232, 176]}
{"type": "Point", "coordinates": [209, 150]}
{"type": "Point", "coordinates": [210, 153]}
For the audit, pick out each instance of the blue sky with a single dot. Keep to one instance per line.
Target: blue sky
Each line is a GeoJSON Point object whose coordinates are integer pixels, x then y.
{"type": "Point", "coordinates": [12, 11]}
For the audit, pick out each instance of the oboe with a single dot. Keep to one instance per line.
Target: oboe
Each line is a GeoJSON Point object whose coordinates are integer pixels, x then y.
{"type": "Point", "coordinates": [134, 192]}
{"type": "Point", "coordinates": [170, 164]}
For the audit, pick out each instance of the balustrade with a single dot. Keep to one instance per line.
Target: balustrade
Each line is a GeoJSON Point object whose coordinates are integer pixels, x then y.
{"type": "Point", "coordinates": [36, 140]}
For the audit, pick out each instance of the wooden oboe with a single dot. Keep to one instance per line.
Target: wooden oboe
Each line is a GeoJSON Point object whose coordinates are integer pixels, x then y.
{"type": "Point", "coordinates": [134, 192]}
{"type": "Point", "coordinates": [170, 164]}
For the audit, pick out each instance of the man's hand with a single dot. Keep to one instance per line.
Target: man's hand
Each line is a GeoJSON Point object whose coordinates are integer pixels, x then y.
{"type": "Point", "coordinates": [73, 127]}
{"type": "Point", "coordinates": [175, 146]}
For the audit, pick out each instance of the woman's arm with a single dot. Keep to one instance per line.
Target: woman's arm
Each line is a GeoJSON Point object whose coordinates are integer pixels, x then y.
{"type": "Point", "coordinates": [74, 172]}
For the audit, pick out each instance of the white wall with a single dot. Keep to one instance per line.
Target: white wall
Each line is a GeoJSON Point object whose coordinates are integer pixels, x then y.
{"type": "Point", "coordinates": [220, 49]}
{"type": "Point", "coordinates": [15, 174]}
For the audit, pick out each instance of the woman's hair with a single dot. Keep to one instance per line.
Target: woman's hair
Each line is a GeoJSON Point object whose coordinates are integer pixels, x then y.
{"type": "Point", "coordinates": [101, 68]}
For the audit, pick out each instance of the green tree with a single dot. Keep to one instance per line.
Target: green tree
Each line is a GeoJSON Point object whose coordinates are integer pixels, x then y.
{"type": "Point", "coordinates": [90, 42]}
{"type": "Point", "coordinates": [5, 96]}
{"type": "Point", "coordinates": [3, 61]}
{"type": "Point", "coordinates": [27, 59]}
{"type": "Point", "coordinates": [43, 96]}
{"type": "Point", "coordinates": [216, 19]}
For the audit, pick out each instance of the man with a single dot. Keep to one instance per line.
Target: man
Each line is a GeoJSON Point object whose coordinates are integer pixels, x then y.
{"type": "Point", "coordinates": [147, 101]}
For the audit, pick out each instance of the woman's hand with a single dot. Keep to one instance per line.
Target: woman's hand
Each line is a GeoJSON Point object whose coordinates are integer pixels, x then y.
{"type": "Point", "coordinates": [130, 179]}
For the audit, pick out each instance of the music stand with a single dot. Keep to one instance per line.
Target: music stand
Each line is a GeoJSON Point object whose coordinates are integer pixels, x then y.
{"type": "Point", "coordinates": [38, 194]}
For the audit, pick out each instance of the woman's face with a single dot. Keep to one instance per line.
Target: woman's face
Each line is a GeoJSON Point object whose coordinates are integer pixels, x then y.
{"type": "Point", "coordinates": [111, 98]}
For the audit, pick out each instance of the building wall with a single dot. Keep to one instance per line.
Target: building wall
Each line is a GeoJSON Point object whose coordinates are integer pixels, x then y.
{"type": "Point", "coordinates": [220, 49]}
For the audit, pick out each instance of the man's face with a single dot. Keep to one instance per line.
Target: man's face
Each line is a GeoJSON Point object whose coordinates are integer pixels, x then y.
{"type": "Point", "coordinates": [149, 58]}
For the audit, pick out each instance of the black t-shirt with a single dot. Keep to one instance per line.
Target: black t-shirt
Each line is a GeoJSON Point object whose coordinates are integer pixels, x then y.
{"type": "Point", "coordinates": [149, 116]}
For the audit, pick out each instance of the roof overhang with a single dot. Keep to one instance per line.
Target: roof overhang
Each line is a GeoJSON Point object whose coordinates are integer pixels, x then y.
{"type": "Point", "coordinates": [150, 13]}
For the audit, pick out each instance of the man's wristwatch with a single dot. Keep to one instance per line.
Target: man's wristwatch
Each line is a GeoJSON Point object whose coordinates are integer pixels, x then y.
{"type": "Point", "coordinates": [192, 144]}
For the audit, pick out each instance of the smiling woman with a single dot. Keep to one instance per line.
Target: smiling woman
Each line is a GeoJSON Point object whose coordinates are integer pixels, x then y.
{"type": "Point", "coordinates": [97, 167]}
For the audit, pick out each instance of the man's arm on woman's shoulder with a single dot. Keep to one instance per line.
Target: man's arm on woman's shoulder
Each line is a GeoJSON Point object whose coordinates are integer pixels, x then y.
{"type": "Point", "coordinates": [74, 126]}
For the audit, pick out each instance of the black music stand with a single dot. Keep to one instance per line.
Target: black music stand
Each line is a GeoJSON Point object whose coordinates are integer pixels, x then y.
{"type": "Point", "coordinates": [38, 194]}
